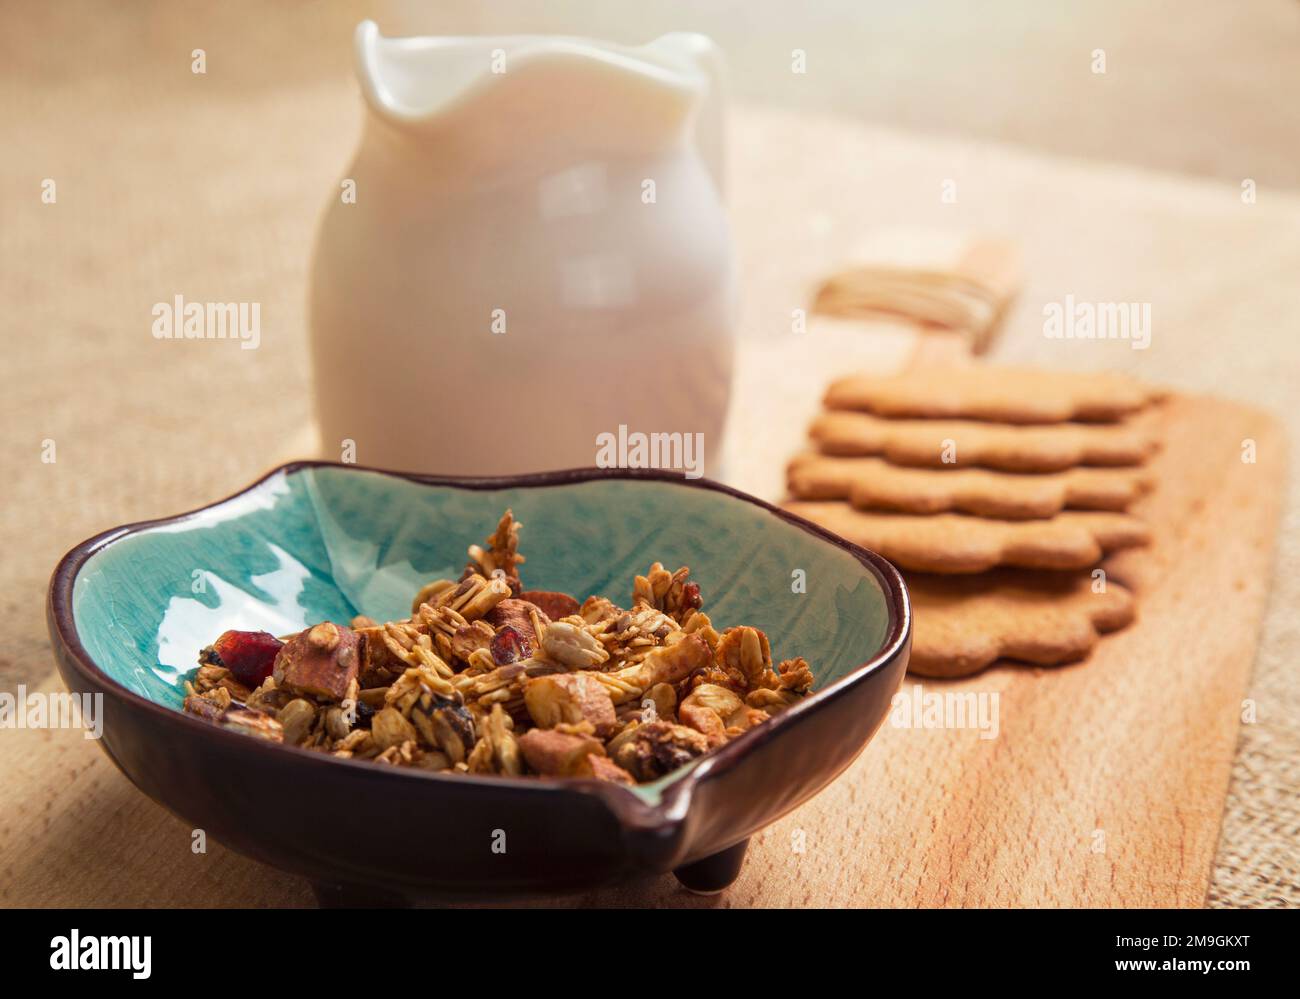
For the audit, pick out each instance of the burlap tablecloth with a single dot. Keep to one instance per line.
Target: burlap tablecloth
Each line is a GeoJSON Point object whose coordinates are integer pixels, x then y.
{"type": "Point", "coordinates": [209, 186]}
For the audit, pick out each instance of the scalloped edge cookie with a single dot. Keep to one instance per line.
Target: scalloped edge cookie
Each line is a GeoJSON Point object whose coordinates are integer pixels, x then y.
{"type": "Point", "coordinates": [964, 624]}
{"type": "Point", "coordinates": [1001, 394]}
{"type": "Point", "coordinates": [926, 443]}
{"type": "Point", "coordinates": [875, 484]}
{"type": "Point", "coordinates": [957, 543]}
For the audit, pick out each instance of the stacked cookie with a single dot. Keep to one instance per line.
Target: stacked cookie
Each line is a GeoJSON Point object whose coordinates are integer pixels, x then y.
{"type": "Point", "coordinates": [997, 491]}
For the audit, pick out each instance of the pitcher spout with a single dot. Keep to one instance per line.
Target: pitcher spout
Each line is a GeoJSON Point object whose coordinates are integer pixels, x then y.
{"type": "Point", "coordinates": [701, 55]}
{"type": "Point", "coordinates": [537, 91]}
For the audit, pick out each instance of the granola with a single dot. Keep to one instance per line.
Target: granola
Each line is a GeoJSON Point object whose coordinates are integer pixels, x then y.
{"type": "Point", "coordinates": [486, 677]}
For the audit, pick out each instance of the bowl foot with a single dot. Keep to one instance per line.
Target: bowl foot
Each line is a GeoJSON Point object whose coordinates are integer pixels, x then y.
{"type": "Point", "coordinates": [714, 873]}
{"type": "Point", "coordinates": [330, 895]}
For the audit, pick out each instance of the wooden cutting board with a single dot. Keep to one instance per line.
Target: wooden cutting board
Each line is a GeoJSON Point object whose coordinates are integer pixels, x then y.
{"type": "Point", "coordinates": [1104, 786]}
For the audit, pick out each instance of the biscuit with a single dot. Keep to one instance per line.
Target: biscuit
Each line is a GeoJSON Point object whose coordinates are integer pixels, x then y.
{"type": "Point", "coordinates": [926, 443]}
{"type": "Point", "coordinates": [1002, 395]}
{"type": "Point", "coordinates": [873, 484]}
{"type": "Point", "coordinates": [956, 543]}
{"type": "Point", "coordinates": [961, 624]}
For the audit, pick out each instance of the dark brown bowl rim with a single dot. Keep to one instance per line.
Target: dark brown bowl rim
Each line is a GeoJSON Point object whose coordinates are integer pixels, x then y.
{"type": "Point", "coordinates": [629, 807]}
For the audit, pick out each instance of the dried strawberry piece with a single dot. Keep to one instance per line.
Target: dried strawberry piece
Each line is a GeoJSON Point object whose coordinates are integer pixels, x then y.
{"type": "Point", "coordinates": [509, 646]}
{"type": "Point", "coordinates": [249, 655]}
{"type": "Point", "coordinates": [691, 596]}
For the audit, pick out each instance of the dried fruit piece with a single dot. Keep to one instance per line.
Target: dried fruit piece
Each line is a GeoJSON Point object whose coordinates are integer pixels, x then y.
{"type": "Point", "coordinates": [445, 723]}
{"type": "Point", "coordinates": [691, 598]}
{"type": "Point", "coordinates": [615, 695]}
{"type": "Point", "coordinates": [657, 748]}
{"type": "Point", "coordinates": [509, 646]}
{"type": "Point", "coordinates": [249, 655]}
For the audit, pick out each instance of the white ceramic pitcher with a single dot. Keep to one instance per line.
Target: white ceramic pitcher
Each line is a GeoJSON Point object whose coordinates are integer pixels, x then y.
{"type": "Point", "coordinates": [528, 251]}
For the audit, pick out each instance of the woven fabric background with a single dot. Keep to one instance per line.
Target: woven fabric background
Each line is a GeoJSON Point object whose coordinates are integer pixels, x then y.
{"type": "Point", "coordinates": [170, 182]}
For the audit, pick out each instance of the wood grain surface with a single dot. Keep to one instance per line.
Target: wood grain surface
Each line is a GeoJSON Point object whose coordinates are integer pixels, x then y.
{"type": "Point", "coordinates": [1104, 785]}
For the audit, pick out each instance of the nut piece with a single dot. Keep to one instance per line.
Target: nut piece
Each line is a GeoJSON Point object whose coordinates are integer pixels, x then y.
{"type": "Point", "coordinates": [320, 662]}
{"type": "Point", "coordinates": [518, 614]}
{"type": "Point", "coordinates": [744, 655]}
{"type": "Point", "coordinates": [745, 719]}
{"type": "Point", "coordinates": [431, 592]}
{"type": "Point", "coordinates": [792, 684]}
{"type": "Point", "coordinates": [670, 592]}
{"type": "Point", "coordinates": [497, 751]}
{"type": "Point", "coordinates": [572, 646]}
{"type": "Point", "coordinates": [470, 638]}
{"type": "Point", "coordinates": [297, 718]}
{"type": "Point", "coordinates": [252, 723]}
{"type": "Point", "coordinates": [559, 754]}
{"type": "Point", "coordinates": [709, 709]}
{"type": "Point", "coordinates": [390, 728]}
{"type": "Point", "coordinates": [720, 700]}
{"type": "Point", "coordinates": [205, 707]}
{"type": "Point", "coordinates": [338, 722]}
{"type": "Point", "coordinates": [718, 713]}
{"type": "Point", "coordinates": [379, 666]}
{"type": "Point", "coordinates": [594, 610]}
{"type": "Point", "coordinates": [324, 636]}
{"type": "Point", "coordinates": [659, 703]}
{"type": "Point", "coordinates": [658, 748]}
{"type": "Point", "coordinates": [666, 664]}
{"type": "Point", "coordinates": [444, 723]}
{"type": "Point", "coordinates": [473, 596]}
{"type": "Point", "coordinates": [603, 768]}
{"type": "Point", "coordinates": [571, 698]}
{"type": "Point", "coordinates": [705, 721]}
{"type": "Point", "coordinates": [553, 604]}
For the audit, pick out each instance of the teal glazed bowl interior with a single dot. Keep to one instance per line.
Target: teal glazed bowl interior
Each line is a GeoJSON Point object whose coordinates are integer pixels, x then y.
{"type": "Point", "coordinates": [130, 609]}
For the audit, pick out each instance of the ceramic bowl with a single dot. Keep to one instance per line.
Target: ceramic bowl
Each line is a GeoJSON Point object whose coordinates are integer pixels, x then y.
{"type": "Point", "coordinates": [129, 610]}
